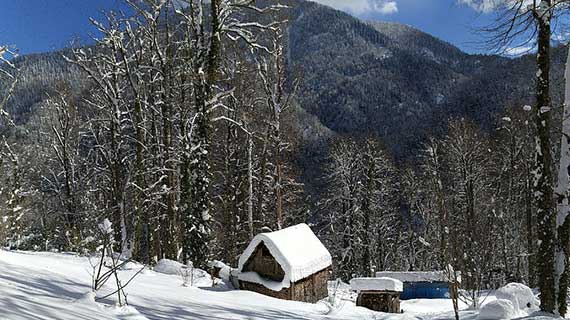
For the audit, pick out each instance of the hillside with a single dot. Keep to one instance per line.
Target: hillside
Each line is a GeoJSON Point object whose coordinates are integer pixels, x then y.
{"type": "Point", "coordinates": [358, 78]}
{"type": "Point", "coordinates": [396, 81]}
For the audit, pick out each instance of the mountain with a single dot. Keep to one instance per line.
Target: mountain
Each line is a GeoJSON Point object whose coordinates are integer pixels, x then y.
{"type": "Point", "coordinates": [39, 77]}
{"type": "Point", "coordinates": [395, 81]}
{"type": "Point", "coordinates": [361, 78]}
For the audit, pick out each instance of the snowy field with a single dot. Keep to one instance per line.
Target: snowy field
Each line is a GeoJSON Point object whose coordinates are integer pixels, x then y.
{"type": "Point", "coordinates": [56, 286]}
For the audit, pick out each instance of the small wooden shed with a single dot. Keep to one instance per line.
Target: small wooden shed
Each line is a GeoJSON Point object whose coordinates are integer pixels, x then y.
{"type": "Point", "coordinates": [378, 294]}
{"type": "Point", "coordinates": [289, 264]}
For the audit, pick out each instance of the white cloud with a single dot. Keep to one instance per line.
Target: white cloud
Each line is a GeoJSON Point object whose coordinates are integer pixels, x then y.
{"type": "Point", "coordinates": [487, 6]}
{"type": "Point", "coordinates": [518, 51]}
{"type": "Point", "coordinates": [359, 7]}
{"type": "Point", "coordinates": [481, 5]}
{"type": "Point", "coordinates": [389, 7]}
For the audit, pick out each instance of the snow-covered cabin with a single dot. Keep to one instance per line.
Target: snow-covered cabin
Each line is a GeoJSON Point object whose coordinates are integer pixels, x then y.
{"type": "Point", "coordinates": [290, 264]}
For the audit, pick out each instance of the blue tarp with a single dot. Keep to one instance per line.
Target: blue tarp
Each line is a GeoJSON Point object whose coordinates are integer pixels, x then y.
{"type": "Point", "coordinates": [425, 290]}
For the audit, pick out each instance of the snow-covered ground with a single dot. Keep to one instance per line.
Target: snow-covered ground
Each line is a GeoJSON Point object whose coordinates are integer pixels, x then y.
{"type": "Point", "coordinates": [56, 286]}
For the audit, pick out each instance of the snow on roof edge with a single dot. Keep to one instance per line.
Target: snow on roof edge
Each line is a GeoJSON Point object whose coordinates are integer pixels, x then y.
{"type": "Point", "coordinates": [254, 277]}
{"type": "Point", "coordinates": [417, 276]}
{"type": "Point", "coordinates": [297, 250]}
{"type": "Point", "coordinates": [376, 284]}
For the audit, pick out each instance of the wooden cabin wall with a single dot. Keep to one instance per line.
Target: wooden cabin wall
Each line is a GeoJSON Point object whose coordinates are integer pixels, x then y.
{"type": "Point", "coordinates": [262, 262]}
{"type": "Point", "coordinates": [382, 301]}
{"type": "Point", "coordinates": [313, 288]}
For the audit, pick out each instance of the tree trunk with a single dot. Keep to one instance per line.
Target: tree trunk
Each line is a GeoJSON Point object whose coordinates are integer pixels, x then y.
{"type": "Point", "coordinates": [250, 184]}
{"type": "Point", "coordinates": [543, 173]}
{"type": "Point", "coordinates": [530, 237]}
{"type": "Point", "coordinates": [563, 219]}
{"type": "Point", "coordinates": [278, 183]}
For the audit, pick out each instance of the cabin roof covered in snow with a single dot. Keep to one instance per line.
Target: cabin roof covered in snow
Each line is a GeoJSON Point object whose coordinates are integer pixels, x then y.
{"type": "Point", "coordinates": [417, 276]}
{"type": "Point", "coordinates": [376, 284]}
{"type": "Point", "coordinates": [297, 250]}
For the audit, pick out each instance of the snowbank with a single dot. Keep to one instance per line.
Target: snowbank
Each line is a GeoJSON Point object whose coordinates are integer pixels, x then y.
{"type": "Point", "coordinates": [297, 250]}
{"type": "Point", "coordinates": [167, 266]}
{"type": "Point", "coordinates": [497, 309]}
{"type": "Point", "coordinates": [521, 297]}
{"type": "Point", "coordinates": [127, 312]}
{"type": "Point", "coordinates": [514, 300]}
{"type": "Point", "coordinates": [376, 284]}
{"type": "Point", "coordinates": [88, 297]}
{"type": "Point", "coordinates": [131, 265]}
{"type": "Point", "coordinates": [198, 278]}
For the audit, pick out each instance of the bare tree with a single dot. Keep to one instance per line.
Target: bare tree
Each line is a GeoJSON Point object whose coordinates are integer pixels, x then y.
{"type": "Point", "coordinates": [7, 73]}
{"type": "Point", "coordinates": [65, 173]}
{"type": "Point", "coordinates": [7, 69]}
{"type": "Point", "coordinates": [278, 103]}
{"type": "Point", "coordinates": [105, 66]}
{"type": "Point", "coordinates": [363, 228]}
{"type": "Point", "coordinates": [468, 163]}
{"type": "Point", "coordinates": [204, 38]}
{"type": "Point", "coordinates": [512, 180]}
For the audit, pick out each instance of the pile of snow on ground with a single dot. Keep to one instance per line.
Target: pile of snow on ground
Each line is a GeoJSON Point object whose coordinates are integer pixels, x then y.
{"type": "Point", "coordinates": [167, 266]}
{"type": "Point", "coordinates": [498, 309]}
{"type": "Point", "coordinates": [199, 277]}
{"type": "Point", "coordinates": [520, 296]}
{"type": "Point", "coordinates": [514, 300]}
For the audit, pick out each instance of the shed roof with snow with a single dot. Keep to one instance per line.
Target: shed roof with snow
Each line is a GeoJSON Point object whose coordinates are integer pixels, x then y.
{"type": "Point", "coordinates": [376, 284]}
{"type": "Point", "coordinates": [297, 251]}
{"type": "Point", "coordinates": [418, 276]}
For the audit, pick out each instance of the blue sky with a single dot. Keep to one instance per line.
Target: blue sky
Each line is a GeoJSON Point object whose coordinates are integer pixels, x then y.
{"type": "Point", "coordinates": [45, 25]}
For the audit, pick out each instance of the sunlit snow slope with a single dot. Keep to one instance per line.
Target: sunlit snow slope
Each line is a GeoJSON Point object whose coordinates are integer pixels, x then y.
{"type": "Point", "coordinates": [56, 286]}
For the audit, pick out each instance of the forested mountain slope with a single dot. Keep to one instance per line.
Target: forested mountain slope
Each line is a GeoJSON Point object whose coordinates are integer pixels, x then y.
{"type": "Point", "coordinates": [396, 81]}
{"type": "Point", "coordinates": [360, 78]}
